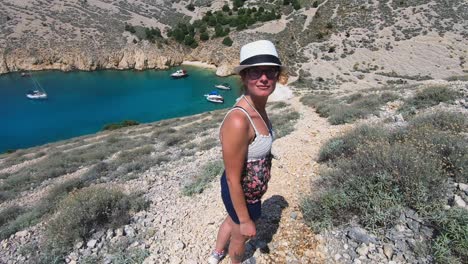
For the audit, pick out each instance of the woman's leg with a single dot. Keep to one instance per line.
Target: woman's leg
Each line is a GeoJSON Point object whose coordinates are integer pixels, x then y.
{"type": "Point", "coordinates": [224, 234]}
{"type": "Point", "coordinates": [237, 244]}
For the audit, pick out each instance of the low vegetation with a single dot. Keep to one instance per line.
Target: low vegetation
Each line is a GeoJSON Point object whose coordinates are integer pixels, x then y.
{"type": "Point", "coordinates": [125, 123]}
{"type": "Point", "coordinates": [350, 108]}
{"type": "Point", "coordinates": [374, 173]}
{"type": "Point", "coordinates": [208, 172]}
{"type": "Point", "coordinates": [84, 212]}
{"type": "Point", "coordinates": [428, 97]}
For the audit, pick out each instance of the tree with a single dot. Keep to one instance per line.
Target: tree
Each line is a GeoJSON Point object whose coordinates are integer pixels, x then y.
{"type": "Point", "coordinates": [226, 8]}
{"type": "Point", "coordinates": [315, 4]}
{"type": "Point", "coordinates": [204, 36]}
{"type": "Point", "coordinates": [296, 4]}
{"type": "Point", "coordinates": [190, 7]}
{"type": "Point", "coordinates": [227, 41]}
{"type": "Point", "coordinates": [188, 40]}
{"type": "Point", "coordinates": [219, 31]}
{"type": "Point", "coordinates": [238, 3]}
{"type": "Point", "coordinates": [178, 35]}
{"type": "Point", "coordinates": [212, 21]}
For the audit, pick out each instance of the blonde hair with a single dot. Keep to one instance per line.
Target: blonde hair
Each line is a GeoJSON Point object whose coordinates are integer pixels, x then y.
{"type": "Point", "coordinates": [283, 77]}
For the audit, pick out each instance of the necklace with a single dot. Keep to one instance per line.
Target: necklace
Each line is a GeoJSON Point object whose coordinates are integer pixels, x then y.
{"type": "Point", "coordinates": [256, 112]}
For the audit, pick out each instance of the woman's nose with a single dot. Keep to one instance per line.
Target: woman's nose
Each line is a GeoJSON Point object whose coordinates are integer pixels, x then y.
{"type": "Point", "coordinates": [263, 77]}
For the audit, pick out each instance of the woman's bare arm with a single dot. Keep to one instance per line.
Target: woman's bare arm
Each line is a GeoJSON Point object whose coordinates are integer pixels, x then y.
{"type": "Point", "coordinates": [235, 139]}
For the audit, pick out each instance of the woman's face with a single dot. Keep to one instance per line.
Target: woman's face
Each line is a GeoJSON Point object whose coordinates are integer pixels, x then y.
{"type": "Point", "coordinates": [260, 80]}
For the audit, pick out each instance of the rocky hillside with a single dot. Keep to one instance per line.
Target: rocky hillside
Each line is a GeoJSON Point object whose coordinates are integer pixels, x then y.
{"type": "Point", "coordinates": [331, 42]}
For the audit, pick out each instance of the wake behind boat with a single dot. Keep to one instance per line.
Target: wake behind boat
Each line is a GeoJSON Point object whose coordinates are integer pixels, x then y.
{"type": "Point", "coordinates": [214, 97]}
{"type": "Point", "coordinates": [223, 86]}
{"type": "Point", "coordinates": [179, 74]}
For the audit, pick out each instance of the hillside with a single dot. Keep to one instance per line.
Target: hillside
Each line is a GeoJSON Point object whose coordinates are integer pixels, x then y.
{"type": "Point", "coordinates": [352, 63]}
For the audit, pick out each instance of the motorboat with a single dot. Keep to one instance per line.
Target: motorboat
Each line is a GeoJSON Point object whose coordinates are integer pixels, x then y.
{"type": "Point", "coordinates": [36, 94]}
{"type": "Point", "coordinates": [223, 86]}
{"type": "Point", "coordinates": [214, 97]}
{"type": "Point", "coordinates": [179, 74]}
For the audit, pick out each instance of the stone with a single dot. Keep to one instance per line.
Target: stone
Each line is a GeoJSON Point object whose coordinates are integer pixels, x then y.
{"type": "Point", "coordinates": [91, 243]}
{"type": "Point", "coordinates": [399, 118]}
{"type": "Point", "coordinates": [360, 235]}
{"type": "Point", "coordinates": [179, 245]}
{"type": "Point", "coordinates": [22, 234]}
{"type": "Point", "coordinates": [119, 232]}
{"type": "Point", "coordinates": [458, 201]}
{"type": "Point", "coordinates": [362, 250]}
{"type": "Point", "coordinates": [78, 245]}
{"type": "Point", "coordinates": [413, 225]}
{"type": "Point", "coordinates": [337, 257]}
{"type": "Point", "coordinates": [294, 215]}
{"type": "Point", "coordinates": [388, 251]}
{"type": "Point", "coordinates": [463, 187]}
{"type": "Point", "coordinates": [110, 233]}
{"type": "Point", "coordinates": [129, 231]}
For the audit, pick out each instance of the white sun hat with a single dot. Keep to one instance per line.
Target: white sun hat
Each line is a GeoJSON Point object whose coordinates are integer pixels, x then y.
{"type": "Point", "coordinates": [258, 53]}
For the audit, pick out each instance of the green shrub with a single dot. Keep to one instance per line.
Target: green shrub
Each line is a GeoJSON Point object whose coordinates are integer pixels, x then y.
{"type": "Point", "coordinates": [347, 109]}
{"type": "Point", "coordinates": [208, 143]}
{"type": "Point", "coordinates": [428, 97]}
{"type": "Point", "coordinates": [373, 175]}
{"type": "Point", "coordinates": [8, 214]}
{"type": "Point", "coordinates": [379, 180]}
{"type": "Point", "coordinates": [89, 209]}
{"type": "Point", "coordinates": [227, 41]}
{"type": "Point", "coordinates": [190, 7]}
{"type": "Point", "coordinates": [347, 145]}
{"type": "Point", "coordinates": [24, 219]}
{"type": "Point", "coordinates": [442, 120]}
{"type": "Point", "coordinates": [451, 246]}
{"type": "Point", "coordinates": [283, 122]}
{"type": "Point", "coordinates": [208, 172]}
{"type": "Point", "coordinates": [204, 36]}
{"type": "Point", "coordinates": [125, 123]}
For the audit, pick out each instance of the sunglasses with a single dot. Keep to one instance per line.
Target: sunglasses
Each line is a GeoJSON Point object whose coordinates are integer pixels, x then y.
{"type": "Point", "coordinates": [256, 73]}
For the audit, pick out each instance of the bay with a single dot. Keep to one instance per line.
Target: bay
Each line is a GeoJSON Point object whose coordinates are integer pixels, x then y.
{"type": "Point", "coordinates": [81, 103]}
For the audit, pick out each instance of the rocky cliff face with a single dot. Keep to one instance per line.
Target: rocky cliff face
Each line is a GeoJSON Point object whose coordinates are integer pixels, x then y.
{"type": "Point", "coordinates": [139, 57]}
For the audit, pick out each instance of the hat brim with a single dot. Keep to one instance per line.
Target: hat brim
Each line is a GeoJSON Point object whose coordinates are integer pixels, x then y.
{"type": "Point", "coordinates": [239, 68]}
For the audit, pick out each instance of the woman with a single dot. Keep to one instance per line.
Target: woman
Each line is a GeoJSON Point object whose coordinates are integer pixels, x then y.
{"type": "Point", "coordinates": [246, 138]}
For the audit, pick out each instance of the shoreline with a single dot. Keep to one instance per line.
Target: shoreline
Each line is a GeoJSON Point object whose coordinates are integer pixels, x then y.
{"type": "Point", "coordinates": [199, 64]}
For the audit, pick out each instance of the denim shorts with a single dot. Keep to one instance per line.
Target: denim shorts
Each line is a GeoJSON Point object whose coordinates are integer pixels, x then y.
{"type": "Point", "coordinates": [255, 210]}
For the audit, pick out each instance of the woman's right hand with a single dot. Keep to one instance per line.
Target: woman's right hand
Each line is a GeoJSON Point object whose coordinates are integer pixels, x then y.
{"type": "Point", "coordinates": [248, 229]}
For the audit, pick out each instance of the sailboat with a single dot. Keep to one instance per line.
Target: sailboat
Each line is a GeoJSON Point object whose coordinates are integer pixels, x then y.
{"type": "Point", "coordinates": [38, 93]}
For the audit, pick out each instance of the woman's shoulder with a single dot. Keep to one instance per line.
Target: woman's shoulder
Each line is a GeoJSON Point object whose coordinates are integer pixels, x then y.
{"type": "Point", "coordinates": [236, 119]}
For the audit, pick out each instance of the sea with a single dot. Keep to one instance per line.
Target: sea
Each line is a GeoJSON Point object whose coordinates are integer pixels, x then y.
{"type": "Point", "coordinates": [81, 103]}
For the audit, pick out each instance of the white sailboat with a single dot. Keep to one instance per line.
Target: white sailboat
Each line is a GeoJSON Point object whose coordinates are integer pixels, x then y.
{"type": "Point", "coordinates": [38, 93]}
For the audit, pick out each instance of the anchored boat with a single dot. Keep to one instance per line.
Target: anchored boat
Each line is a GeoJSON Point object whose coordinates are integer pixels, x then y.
{"type": "Point", "coordinates": [214, 97]}
{"type": "Point", "coordinates": [223, 86]}
{"type": "Point", "coordinates": [38, 93]}
{"type": "Point", "coordinates": [179, 74]}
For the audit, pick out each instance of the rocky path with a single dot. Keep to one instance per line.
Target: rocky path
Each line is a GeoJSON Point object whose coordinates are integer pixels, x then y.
{"type": "Point", "coordinates": [293, 172]}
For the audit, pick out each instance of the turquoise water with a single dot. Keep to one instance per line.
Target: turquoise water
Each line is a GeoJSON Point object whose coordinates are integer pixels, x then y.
{"type": "Point", "coordinates": [81, 103]}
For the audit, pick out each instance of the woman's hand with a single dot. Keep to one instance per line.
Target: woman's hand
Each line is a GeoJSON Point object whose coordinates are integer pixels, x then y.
{"type": "Point", "coordinates": [248, 229]}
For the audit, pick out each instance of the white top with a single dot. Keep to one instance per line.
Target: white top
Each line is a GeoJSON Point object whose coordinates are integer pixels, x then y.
{"type": "Point", "coordinates": [261, 146]}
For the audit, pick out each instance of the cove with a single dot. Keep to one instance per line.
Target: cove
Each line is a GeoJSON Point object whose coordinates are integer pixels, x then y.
{"type": "Point", "coordinates": [81, 103]}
